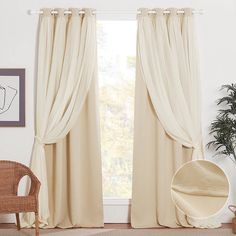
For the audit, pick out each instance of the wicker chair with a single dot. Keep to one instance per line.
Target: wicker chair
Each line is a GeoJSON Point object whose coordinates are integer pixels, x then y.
{"type": "Point", "coordinates": [10, 175]}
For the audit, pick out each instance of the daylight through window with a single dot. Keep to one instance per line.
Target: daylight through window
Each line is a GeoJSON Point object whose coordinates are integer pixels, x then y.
{"type": "Point", "coordinates": [116, 66]}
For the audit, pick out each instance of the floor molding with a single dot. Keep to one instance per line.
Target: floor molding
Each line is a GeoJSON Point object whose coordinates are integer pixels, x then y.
{"type": "Point", "coordinates": [106, 226]}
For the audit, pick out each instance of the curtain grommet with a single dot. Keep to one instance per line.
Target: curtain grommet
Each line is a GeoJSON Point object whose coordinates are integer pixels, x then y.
{"type": "Point", "coordinates": [143, 11]}
{"type": "Point", "coordinates": [88, 11]}
{"type": "Point", "coordinates": [188, 11]}
{"type": "Point", "coordinates": [60, 12]}
{"type": "Point", "coordinates": [74, 11]}
{"type": "Point", "coordinates": [173, 11]}
{"type": "Point", "coordinates": [47, 11]}
{"type": "Point", "coordinates": [159, 11]}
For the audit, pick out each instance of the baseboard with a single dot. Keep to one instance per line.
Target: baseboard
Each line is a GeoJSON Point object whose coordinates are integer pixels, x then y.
{"type": "Point", "coordinates": [7, 218]}
{"type": "Point", "coordinates": [121, 213]}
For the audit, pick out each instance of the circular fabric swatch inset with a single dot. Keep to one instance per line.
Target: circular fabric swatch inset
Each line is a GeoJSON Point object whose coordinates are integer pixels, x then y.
{"type": "Point", "coordinates": [199, 189]}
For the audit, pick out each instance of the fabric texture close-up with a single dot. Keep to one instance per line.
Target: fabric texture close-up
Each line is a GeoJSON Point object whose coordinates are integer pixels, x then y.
{"type": "Point", "coordinates": [200, 189]}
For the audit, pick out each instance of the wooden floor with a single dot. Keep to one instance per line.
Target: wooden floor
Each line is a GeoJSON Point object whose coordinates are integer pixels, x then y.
{"type": "Point", "coordinates": [106, 226]}
{"type": "Point", "coordinates": [117, 226]}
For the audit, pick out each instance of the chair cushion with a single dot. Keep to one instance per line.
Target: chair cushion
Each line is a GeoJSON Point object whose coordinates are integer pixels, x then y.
{"type": "Point", "coordinates": [15, 204]}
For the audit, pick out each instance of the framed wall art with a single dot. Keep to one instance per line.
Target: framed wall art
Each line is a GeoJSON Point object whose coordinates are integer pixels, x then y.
{"type": "Point", "coordinates": [12, 97]}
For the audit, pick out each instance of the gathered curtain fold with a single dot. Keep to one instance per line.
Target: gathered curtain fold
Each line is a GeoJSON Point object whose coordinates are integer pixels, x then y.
{"type": "Point", "coordinates": [168, 61]}
{"type": "Point", "coordinates": [67, 62]}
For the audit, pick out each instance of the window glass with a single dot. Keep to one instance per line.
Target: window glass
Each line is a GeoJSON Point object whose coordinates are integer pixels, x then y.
{"type": "Point", "coordinates": [116, 67]}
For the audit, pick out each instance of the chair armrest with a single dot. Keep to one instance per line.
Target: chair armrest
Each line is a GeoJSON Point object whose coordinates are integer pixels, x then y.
{"type": "Point", "coordinates": [35, 186]}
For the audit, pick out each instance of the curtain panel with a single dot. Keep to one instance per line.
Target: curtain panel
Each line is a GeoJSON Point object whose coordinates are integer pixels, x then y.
{"type": "Point", "coordinates": [67, 63]}
{"type": "Point", "coordinates": [168, 61]}
{"type": "Point", "coordinates": [167, 121]}
{"type": "Point", "coordinates": [156, 158]}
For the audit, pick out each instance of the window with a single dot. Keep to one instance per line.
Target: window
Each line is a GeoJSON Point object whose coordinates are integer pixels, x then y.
{"type": "Point", "coordinates": [116, 67]}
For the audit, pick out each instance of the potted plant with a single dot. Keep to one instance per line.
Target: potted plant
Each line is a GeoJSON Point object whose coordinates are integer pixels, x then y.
{"type": "Point", "coordinates": [223, 128]}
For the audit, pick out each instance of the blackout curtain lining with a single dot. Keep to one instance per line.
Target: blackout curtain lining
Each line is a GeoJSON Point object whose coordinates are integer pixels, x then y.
{"type": "Point", "coordinates": [167, 124]}
{"type": "Point", "coordinates": [67, 63]}
{"type": "Point", "coordinates": [74, 171]}
{"type": "Point", "coordinates": [156, 158]}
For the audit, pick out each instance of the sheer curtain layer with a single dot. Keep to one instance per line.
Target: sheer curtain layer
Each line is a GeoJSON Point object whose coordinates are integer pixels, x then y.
{"type": "Point", "coordinates": [67, 63]}
{"type": "Point", "coordinates": [167, 57]}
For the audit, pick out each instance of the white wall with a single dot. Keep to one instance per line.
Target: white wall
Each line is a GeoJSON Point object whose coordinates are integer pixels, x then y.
{"type": "Point", "coordinates": [217, 43]}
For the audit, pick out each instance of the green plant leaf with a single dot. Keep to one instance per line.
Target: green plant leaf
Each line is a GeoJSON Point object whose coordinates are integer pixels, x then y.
{"type": "Point", "coordinates": [223, 128]}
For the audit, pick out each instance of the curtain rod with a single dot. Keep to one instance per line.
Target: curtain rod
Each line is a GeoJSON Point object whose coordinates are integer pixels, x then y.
{"type": "Point", "coordinates": [39, 12]}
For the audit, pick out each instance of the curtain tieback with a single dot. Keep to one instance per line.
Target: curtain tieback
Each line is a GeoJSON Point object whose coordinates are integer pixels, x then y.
{"type": "Point", "coordinates": [197, 152]}
{"type": "Point", "coordinates": [39, 140]}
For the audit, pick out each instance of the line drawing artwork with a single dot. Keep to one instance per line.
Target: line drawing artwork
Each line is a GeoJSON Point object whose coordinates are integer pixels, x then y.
{"type": "Point", "coordinates": [12, 97]}
{"type": "Point", "coordinates": [7, 96]}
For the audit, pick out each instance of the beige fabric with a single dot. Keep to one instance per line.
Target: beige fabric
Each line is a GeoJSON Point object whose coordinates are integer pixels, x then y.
{"type": "Point", "coordinates": [167, 57]}
{"type": "Point", "coordinates": [156, 158]}
{"type": "Point", "coordinates": [74, 172]}
{"type": "Point", "coordinates": [67, 63]}
{"type": "Point", "coordinates": [200, 189]}
{"type": "Point", "coordinates": [167, 129]}
{"type": "Point", "coordinates": [198, 206]}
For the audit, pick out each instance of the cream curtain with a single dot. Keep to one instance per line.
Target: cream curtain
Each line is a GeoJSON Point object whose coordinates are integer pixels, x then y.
{"type": "Point", "coordinates": [167, 127]}
{"type": "Point", "coordinates": [200, 189]}
{"type": "Point", "coordinates": [67, 63]}
{"type": "Point", "coordinates": [74, 172]}
{"type": "Point", "coordinates": [167, 57]}
{"type": "Point", "coordinates": [156, 158]}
